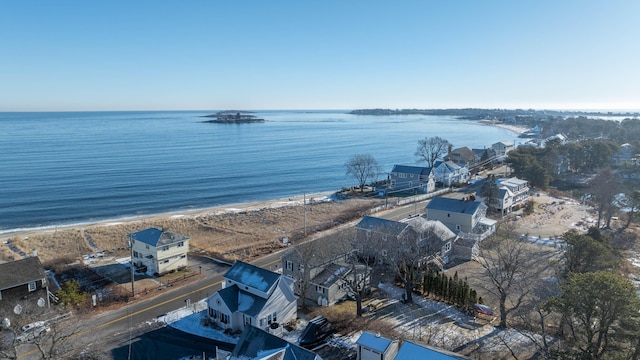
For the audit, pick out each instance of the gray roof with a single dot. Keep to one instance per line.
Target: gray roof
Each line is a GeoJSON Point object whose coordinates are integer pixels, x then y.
{"type": "Point", "coordinates": [330, 274]}
{"type": "Point", "coordinates": [453, 205]}
{"type": "Point", "coordinates": [382, 225]}
{"type": "Point", "coordinates": [255, 343]}
{"type": "Point", "coordinates": [450, 164]}
{"type": "Point", "coordinates": [252, 276]}
{"type": "Point", "coordinates": [407, 169]}
{"type": "Point", "coordinates": [242, 301]}
{"type": "Point", "coordinates": [440, 230]}
{"type": "Point", "coordinates": [20, 272]}
{"type": "Point", "coordinates": [157, 237]}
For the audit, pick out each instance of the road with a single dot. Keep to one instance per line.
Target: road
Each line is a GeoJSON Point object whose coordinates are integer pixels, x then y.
{"type": "Point", "coordinates": [134, 325]}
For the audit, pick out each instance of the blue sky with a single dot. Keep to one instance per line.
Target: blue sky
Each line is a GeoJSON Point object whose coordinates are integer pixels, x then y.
{"type": "Point", "coordinates": [181, 55]}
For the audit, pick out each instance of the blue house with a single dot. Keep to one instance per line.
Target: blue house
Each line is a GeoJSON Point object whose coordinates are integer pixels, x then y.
{"type": "Point", "coordinates": [412, 178]}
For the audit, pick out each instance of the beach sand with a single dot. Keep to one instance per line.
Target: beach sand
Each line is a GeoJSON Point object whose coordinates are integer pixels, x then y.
{"type": "Point", "coordinates": [241, 231]}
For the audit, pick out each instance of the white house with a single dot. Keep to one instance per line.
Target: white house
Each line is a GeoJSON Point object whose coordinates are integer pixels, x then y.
{"type": "Point", "coordinates": [255, 296]}
{"type": "Point", "coordinates": [513, 193]}
{"type": "Point", "coordinates": [158, 250]}
{"type": "Point", "coordinates": [449, 173]}
{"type": "Point", "coordinates": [502, 148]}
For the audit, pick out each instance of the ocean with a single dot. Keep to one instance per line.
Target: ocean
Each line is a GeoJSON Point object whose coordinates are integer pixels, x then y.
{"type": "Point", "coordinates": [62, 168]}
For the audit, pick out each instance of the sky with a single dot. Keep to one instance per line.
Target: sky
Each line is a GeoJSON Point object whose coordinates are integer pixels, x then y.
{"type": "Point", "coordinates": [331, 54]}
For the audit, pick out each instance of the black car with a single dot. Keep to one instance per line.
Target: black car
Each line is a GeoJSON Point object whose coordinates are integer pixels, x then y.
{"type": "Point", "coordinates": [318, 329]}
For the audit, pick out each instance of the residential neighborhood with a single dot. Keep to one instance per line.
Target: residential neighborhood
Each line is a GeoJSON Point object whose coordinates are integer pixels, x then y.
{"type": "Point", "coordinates": [374, 261]}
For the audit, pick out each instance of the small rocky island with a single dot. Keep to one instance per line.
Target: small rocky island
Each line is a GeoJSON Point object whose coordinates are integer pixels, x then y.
{"type": "Point", "coordinates": [232, 117]}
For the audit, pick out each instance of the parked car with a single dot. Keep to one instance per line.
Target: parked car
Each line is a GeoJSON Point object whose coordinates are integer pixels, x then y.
{"type": "Point", "coordinates": [317, 331]}
{"type": "Point", "coordinates": [32, 331]}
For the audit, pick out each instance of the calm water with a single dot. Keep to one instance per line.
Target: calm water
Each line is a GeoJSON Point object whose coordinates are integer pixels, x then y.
{"type": "Point", "coordinates": [66, 168]}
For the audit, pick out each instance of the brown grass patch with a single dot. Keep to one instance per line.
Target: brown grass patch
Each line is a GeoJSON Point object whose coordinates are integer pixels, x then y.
{"type": "Point", "coordinates": [233, 235]}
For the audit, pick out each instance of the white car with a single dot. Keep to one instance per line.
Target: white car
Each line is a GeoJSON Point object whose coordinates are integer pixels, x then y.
{"type": "Point", "coordinates": [32, 331]}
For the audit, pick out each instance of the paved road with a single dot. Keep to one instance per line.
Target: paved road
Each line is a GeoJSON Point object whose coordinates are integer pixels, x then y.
{"type": "Point", "coordinates": [135, 323]}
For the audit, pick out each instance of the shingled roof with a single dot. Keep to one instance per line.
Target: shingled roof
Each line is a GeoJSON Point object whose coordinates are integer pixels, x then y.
{"type": "Point", "coordinates": [453, 205]}
{"type": "Point", "coordinates": [252, 276]}
{"type": "Point", "coordinates": [157, 237]}
{"type": "Point", "coordinates": [20, 272]}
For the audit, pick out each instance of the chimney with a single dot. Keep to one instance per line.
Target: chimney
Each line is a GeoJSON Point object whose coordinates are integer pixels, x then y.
{"type": "Point", "coordinates": [34, 253]}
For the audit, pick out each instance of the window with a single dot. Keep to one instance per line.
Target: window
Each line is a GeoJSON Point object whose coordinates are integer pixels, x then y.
{"type": "Point", "coordinates": [320, 289]}
{"type": "Point", "coordinates": [448, 215]}
{"type": "Point", "coordinates": [135, 254]}
{"type": "Point", "coordinates": [384, 252]}
{"type": "Point", "coordinates": [447, 247]}
{"type": "Point", "coordinates": [165, 261]}
{"type": "Point", "coordinates": [275, 318]}
{"type": "Point", "coordinates": [247, 320]}
{"type": "Point", "coordinates": [181, 243]}
{"type": "Point", "coordinates": [289, 265]}
{"type": "Point", "coordinates": [224, 318]}
{"type": "Point", "coordinates": [457, 227]}
{"type": "Point", "coordinates": [165, 248]}
{"type": "Point", "coordinates": [301, 267]}
{"type": "Point", "coordinates": [32, 286]}
{"type": "Point", "coordinates": [183, 256]}
{"type": "Point", "coordinates": [262, 322]}
{"type": "Point", "coordinates": [147, 246]}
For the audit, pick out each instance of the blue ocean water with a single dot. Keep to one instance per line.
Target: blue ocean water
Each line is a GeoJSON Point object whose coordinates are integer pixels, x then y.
{"type": "Point", "coordinates": [73, 167]}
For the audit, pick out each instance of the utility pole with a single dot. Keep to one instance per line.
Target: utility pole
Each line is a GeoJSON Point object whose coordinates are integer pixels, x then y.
{"type": "Point", "coordinates": [133, 292]}
{"type": "Point", "coordinates": [304, 209]}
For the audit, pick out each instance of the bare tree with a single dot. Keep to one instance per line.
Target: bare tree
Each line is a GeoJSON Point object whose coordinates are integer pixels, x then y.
{"type": "Point", "coordinates": [363, 167]}
{"type": "Point", "coordinates": [508, 266]}
{"type": "Point", "coordinates": [410, 253]}
{"type": "Point", "coordinates": [357, 282]}
{"type": "Point", "coordinates": [604, 188]}
{"type": "Point", "coordinates": [431, 149]}
{"type": "Point", "coordinates": [47, 331]}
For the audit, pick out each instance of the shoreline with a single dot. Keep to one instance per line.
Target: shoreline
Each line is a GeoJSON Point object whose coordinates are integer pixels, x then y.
{"type": "Point", "coordinates": [8, 234]}
{"type": "Point", "coordinates": [512, 128]}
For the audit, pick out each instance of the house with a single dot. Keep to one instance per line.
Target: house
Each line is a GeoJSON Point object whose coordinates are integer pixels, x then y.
{"type": "Point", "coordinates": [410, 351]}
{"type": "Point", "coordinates": [158, 251]}
{"type": "Point", "coordinates": [23, 282]}
{"type": "Point", "coordinates": [502, 148]}
{"type": "Point", "coordinates": [449, 173]}
{"type": "Point", "coordinates": [257, 344]}
{"type": "Point", "coordinates": [462, 156]}
{"type": "Point", "coordinates": [460, 215]}
{"type": "Point", "coordinates": [513, 193]}
{"type": "Point", "coordinates": [375, 347]}
{"type": "Point", "coordinates": [486, 158]}
{"type": "Point", "coordinates": [412, 178]}
{"type": "Point", "coordinates": [322, 266]}
{"type": "Point", "coordinates": [383, 239]}
{"type": "Point", "coordinates": [254, 296]}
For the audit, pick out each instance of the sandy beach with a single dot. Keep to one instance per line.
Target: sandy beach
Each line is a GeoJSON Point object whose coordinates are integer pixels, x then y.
{"type": "Point", "coordinates": [231, 232]}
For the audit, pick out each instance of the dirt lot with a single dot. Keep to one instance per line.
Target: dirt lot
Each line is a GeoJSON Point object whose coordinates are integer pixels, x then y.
{"type": "Point", "coordinates": [554, 216]}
